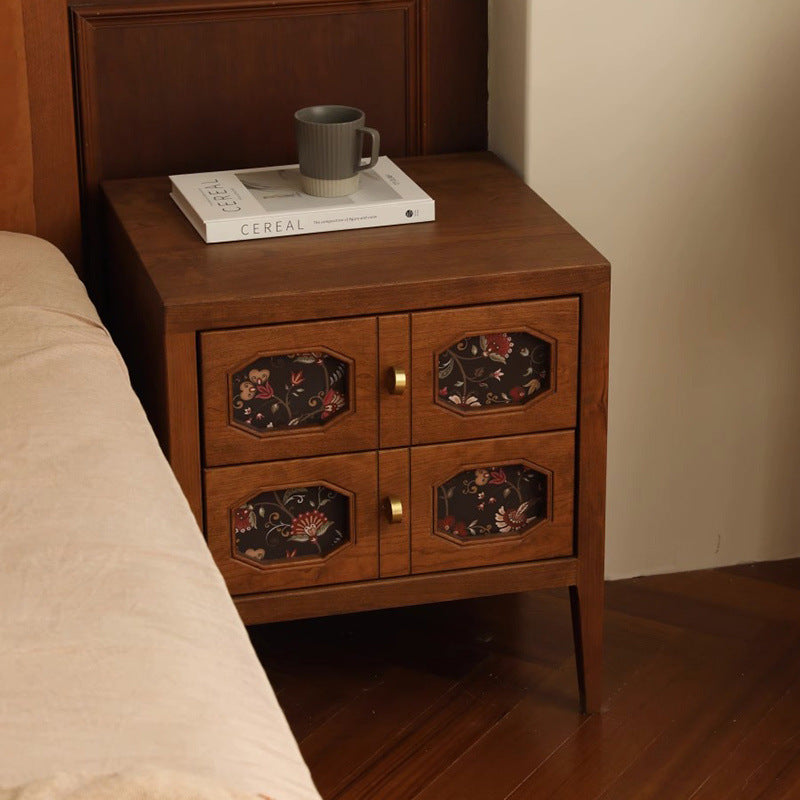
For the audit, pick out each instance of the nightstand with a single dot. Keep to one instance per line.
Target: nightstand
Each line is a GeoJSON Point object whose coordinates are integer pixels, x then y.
{"type": "Point", "coordinates": [381, 417]}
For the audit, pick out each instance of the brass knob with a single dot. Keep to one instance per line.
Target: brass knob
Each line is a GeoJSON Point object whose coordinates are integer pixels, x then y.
{"type": "Point", "coordinates": [397, 380]}
{"type": "Point", "coordinates": [394, 509]}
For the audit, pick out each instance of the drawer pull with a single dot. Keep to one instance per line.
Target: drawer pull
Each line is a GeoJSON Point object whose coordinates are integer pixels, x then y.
{"type": "Point", "coordinates": [394, 509]}
{"type": "Point", "coordinates": [397, 380]}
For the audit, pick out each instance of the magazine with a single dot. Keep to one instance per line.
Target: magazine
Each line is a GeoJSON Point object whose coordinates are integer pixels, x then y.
{"type": "Point", "coordinates": [234, 205]}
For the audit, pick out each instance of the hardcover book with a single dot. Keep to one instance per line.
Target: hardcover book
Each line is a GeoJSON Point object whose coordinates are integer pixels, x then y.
{"type": "Point", "coordinates": [234, 205]}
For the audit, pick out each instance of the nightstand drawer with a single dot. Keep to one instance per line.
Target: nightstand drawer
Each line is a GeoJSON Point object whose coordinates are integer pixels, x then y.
{"type": "Point", "coordinates": [494, 370]}
{"type": "Point", "coordinates": [294, 523]}
{"type": "Point", "coordinates": [492, 502]}
{"type": "Point", "coordinates": [283, 391]}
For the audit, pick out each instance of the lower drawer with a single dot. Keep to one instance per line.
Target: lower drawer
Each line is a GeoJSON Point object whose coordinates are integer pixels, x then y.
{"type": "Point", "coordinates": [493, 501]}
{"type": "Point", "coordinates": [289, 524]}
{"type": "Point", "coordinates": [355, 517]}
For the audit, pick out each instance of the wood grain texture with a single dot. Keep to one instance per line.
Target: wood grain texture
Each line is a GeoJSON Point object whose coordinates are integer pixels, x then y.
{"type": "Point", "coordinates": [457, 92]}
{"type": "Point", "coordinates": [136, 323]}
{"type": "Point", "coordinates": [395, 539]}
{"type": "Point", "coordinates": [498, 257]}
{"type": "Point", "coordinates": [394, 352]}
{"type": "Point", "coordinates": [353, 341]}
{"type": "Point", "coordinates": [136, 61]}
{"type": "Point", "coordinates": [404, 591]}
{"type": "Point", "coordinates": [182, 415]}
{"type": "Point", "coordinates": [163, 72]}
{"type": "Point", "coordinates": [162, 365]}
{"type": "Point", "coordinates": [354, 475]}
{"type": "Point", "coordinates": [52, 126]}
{"type": "Point", "coordinates": [17, 209]}
{"type": "Point", "coordinates": [587, 594]}
{"type": "Point", "coordinates": [502, 243]}
{"type": "Point", "coordinates": [702, 698]}
{"type": "Point", "coordinates": [553, 454]}
{"type": "Point", "coordinates": [437, 420]}
{"type": "Point", "coordinates": [446, 70]}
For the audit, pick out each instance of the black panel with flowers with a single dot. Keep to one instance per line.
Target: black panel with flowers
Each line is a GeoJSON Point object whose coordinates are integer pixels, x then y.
{"type": "Point", "coordinates": [491, 501]}
{"type": "Point", "coordinates": [494, 369]}
{"type": "Point", "coordinates": [291, 523]}
{"type": "Point", "coordinates": [288, 391]}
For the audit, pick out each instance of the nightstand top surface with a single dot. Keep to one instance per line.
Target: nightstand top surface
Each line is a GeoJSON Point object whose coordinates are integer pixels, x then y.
{"type": "Point", "coordinates": [493, 239]}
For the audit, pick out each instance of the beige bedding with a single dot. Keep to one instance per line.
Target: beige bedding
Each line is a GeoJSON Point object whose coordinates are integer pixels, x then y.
{"type": "Point", "coordinates": [141, 784]}
{"type": "Point", "coordinates": [119, 645]}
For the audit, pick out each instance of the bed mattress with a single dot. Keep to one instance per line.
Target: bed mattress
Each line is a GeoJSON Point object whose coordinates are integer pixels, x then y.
{"type": "Point", "coordinates": [119, 644]}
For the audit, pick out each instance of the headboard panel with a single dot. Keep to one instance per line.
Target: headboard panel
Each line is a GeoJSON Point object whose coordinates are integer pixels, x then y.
{"type": "Point", "coordinates": [193, 85]}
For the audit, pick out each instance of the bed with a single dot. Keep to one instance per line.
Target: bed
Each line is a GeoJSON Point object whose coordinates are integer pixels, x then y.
{"type": "Point", "coordinates": [120, 647]}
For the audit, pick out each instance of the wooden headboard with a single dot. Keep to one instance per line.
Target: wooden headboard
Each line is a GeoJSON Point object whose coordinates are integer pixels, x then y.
{"type": "Point", "coordinates": [145, 87]}
{"type": "Point", "coordinates": [213, 84]}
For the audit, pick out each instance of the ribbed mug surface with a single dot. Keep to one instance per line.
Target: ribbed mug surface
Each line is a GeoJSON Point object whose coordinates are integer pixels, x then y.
{"type": "Point", "coordinates": [329, 144]}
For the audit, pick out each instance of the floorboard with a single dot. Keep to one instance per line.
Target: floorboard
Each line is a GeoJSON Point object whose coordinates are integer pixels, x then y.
{"type": "Point", "coordinates": [477, 699]}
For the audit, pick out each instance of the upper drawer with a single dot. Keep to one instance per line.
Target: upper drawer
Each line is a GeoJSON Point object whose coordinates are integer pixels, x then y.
{"type": "Point", "coordinates": [283, 391]}
{"type": "Point", "coordinates": [494, 370]}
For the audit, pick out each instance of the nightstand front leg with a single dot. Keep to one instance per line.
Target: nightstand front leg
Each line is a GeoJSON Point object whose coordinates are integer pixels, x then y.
{"type": "Point", "coordinates": [587, 630]}
{"type": "Point", "coordinates": [587, 596]}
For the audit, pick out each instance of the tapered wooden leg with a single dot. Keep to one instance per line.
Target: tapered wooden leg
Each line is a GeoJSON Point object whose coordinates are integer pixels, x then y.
{"type": "Point", "coordinates": [587, 629]}
{"type": "Point", "coordinates": [587, 594]}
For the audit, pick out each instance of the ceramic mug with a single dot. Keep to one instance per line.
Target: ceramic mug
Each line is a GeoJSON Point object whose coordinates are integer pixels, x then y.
{"type": "Point", "coordinates": [329, 146]}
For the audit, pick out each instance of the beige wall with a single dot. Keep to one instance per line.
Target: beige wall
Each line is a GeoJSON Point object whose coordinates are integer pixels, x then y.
{"type": "Point", "coordinates": [668, 133]}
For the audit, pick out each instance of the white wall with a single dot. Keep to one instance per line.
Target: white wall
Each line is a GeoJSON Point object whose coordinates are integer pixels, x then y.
{"type": "Point", "coordinates": [668, 133]}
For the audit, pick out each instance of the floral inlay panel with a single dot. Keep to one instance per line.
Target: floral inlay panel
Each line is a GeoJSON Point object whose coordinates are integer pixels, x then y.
{"type": "Point", "coordinates": [494, 369]}
{"type": "Point", "coordinates": [289, 391]}
{"type": "Point", "coordinates": [291, 523]}
{"type": "Point", "coordinates": [491, 501]}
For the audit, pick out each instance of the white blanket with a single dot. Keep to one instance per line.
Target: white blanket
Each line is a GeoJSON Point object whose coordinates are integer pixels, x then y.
{"type": "Point", "coordinates": [119, 644]}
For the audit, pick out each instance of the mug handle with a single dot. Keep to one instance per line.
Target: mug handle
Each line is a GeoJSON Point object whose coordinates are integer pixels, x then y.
{"type": "Point", "coordinates": [376, 144]}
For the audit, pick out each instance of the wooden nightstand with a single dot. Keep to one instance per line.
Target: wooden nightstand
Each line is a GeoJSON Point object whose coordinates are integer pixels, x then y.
{"type": "Point", "coordinates": [381, 417]}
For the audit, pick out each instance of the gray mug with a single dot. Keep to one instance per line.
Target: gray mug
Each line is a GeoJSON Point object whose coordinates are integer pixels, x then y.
{"type": "Point", "coordinates": [329, 145]}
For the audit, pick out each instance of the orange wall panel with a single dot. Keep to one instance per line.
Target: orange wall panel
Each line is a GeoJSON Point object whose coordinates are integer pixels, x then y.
{"type": "Point", "coordinates": [17, 211]}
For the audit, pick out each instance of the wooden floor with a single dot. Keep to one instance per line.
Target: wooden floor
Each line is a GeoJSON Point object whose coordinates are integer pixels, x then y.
{"type": "Point", "coordinates": [477, 700]}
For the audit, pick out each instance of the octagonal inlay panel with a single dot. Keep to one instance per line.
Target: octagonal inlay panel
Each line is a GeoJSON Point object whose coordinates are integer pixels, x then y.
{"type": "Point", "coordinates": [494, 369]}
{"type": "Point", "coordinates": [290, 523]}
{"type": "Point", "coordinates": [289, 391]}
{"type": "Point", "coordinates": [491, 501]}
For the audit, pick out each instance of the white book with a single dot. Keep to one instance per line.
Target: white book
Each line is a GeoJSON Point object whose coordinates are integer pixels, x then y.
{"type": "Point", "coordinates": [233, 205]}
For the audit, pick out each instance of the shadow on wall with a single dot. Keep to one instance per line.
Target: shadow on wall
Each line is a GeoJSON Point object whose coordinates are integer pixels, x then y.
{"type": "Point", "coordinates": [509, 94]}
{"type": "Point", "coordinates": [775, 198]}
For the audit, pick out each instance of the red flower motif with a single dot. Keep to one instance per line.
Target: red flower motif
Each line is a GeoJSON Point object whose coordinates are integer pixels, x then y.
{"type": "Point", "coordinates": [297, 378]}
{"type": "Point", "coordinates": [498, 476]}
{"type": "Point", "coordinates": [499, 343]}
{"type": "Point", "coordinates": [452, 525]}
{"type": "Point", "coordinates": [243, 519]}
{"type": "Point", "coordinates": [308, 525]}
{"type": "Point", "coordinates": [331, 403]}
{"type": "Point", "coordinates": [517, 394]}
{"type": "Point", "coordinates": [264, 391]}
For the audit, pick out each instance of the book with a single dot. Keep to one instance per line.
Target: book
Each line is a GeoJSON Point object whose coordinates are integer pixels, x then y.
{"type": "Point", "coordinates": [235, 205]}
